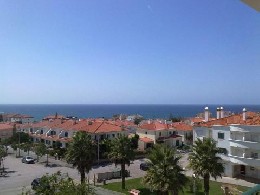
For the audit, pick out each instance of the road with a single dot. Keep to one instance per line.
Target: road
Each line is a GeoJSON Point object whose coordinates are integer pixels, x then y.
{"type": "Point", "coordinates": [20, 175]}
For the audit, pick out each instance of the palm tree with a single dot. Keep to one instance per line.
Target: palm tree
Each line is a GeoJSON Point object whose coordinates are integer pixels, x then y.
{"type": "Point", "coordinates": [81, 153]}
{"type": "Point", "coordinates": [121, 152]}
{"type": "Point", "coordinates": [165, 174]}
{"type": "Point", "coordinates": [205, 162]}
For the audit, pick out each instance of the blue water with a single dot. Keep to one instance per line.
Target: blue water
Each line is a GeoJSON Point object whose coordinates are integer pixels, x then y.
{"type": "Point", "coordinates": [92, 111]}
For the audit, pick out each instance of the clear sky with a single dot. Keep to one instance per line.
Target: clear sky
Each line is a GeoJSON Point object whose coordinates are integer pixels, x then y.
{"type": "Point", "coordinates": [129, 51]}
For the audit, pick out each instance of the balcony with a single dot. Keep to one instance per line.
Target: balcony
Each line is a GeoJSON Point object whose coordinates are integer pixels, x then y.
{"type": "Point", "coordinates": [244, 160]}
{"type": "Point", "coordinates": [244, 142]}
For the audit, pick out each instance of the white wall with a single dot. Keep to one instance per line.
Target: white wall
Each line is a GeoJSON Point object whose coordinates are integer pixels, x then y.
{"type": "Point", "coordinates": [222, 143]}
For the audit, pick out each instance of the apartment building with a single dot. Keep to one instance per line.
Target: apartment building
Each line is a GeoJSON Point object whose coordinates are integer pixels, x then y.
{"type": "Point", "coordinates": [239, 137]}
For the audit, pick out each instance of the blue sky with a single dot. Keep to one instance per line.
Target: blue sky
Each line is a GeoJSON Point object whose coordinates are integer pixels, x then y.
{"type": "Point", "coordinates": [129, 51]}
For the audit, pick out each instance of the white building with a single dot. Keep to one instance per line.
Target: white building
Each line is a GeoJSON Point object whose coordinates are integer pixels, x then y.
{"type": "Point", "coordinates": [239, 136]}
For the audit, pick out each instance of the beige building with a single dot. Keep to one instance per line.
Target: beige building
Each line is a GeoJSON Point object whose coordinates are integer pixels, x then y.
{"type": "Point", "coordinates": [154, 132]}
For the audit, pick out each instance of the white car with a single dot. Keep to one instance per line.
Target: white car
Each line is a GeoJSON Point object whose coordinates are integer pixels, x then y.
{"type": "Point", "coordinates": [28, 160]}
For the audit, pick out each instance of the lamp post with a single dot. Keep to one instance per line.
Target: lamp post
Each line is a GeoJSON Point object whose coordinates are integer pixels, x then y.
{"type": "Point", "coordinates": [98, 148]}
{"type": "Point", "coordinates": [194, 183]}
{"type": "Point", "coordinates": [19, 154]}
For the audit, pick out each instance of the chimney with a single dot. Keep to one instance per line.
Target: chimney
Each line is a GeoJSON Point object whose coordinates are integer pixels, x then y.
{"type": "Point", "coordinates": [221, 112]}
{"type": "Point", "coordinates": [218, 113]}
{"type": "Point", "coordinates": [206, 114]}
{"type": "Point", "coordinates": [244, 114]}
{"type": "Point", "coordinates": [149, 121]}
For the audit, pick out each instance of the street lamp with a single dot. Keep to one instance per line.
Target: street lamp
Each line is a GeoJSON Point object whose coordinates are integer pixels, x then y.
{"type": "Point", "coordinates": [194, 183]}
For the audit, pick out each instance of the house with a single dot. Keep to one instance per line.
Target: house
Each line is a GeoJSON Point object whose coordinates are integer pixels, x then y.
{"type": "Point", "coordinates": [6, 131]}
{"type": "Point", "coordinates": [185, 131]}
{"type": "Point", "coordinates": [238, 136]}
{"type": "Point", "coordinates": [154, 132]}
{"type": "Point", "coordinates": [17, 118]}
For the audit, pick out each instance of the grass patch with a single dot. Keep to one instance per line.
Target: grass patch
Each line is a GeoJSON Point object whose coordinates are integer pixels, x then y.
{"type": "Point", "coordinates": [215, 187]}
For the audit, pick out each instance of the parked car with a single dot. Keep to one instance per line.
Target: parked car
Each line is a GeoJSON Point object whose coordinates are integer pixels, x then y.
{"type": "Point", "coordinates": [35, 183]}
{"type": "Point", "coordinates": [28, 160]}
{"type": "Point", "coordinates": [145, 166]}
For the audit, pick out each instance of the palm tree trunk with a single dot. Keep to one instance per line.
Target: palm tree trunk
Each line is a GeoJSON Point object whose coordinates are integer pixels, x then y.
{"type": "Point", "coordinates": [206, 184]}
{"type": "Point", "coordinates": [123, 174]}
{"type": "Point", "coordinates": [82, 176]}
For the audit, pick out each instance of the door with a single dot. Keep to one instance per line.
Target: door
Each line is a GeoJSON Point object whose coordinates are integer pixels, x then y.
{"type": "Point", "coordinates": [242, 169]}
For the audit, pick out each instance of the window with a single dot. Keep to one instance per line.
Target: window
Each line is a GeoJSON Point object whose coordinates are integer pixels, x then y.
{"type": "Point", "coordinates": [220, 135]}
{"type": "Point", "coordinates": [146, 132]}
{"type": "Point", "coordinates": [113, 135]}
{"type": "Point", "coordinates": [254, 155]}
{"type": "Point", "coordinates": [160, 133]}
{"type": "Point", "coordinates": [66, 134]}
{"type": "Point", "coordinates": [252, 168]}
{"type": "Point", "coordinates": [41, 131]}
{"type": "Point", "coordinates": [223, 150]}
{"type": "Point", "coordinates": [170, 132]}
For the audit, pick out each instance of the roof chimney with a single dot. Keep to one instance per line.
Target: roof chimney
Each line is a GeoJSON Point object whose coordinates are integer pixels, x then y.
{"type": "Point", "coordinates": [244, 114]}
{"type": "Point", "coordinates": [149, 121]}
{"type": "Point", "coordinates": [218, 112]}
{"type": "Point", "coordinates": [221, 112]}
{"type": "Point", "coordinates": [206, 114]}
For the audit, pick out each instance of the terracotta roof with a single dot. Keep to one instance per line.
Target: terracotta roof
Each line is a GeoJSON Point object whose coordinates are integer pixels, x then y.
{"type": "Point", "coordinates": [146, 140]}
{"type": "Point", "coordinates": [182, 126]}
{"type": "Point", "coordinates": [5, 126]}
{"type": "Point", "coordinates": [252, 119]}
{"type": "Point", "coordinates": [154, 126]}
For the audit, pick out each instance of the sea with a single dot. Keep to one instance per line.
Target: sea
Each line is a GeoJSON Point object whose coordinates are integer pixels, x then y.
{"type": "Point", "coordinates": [148, 111]}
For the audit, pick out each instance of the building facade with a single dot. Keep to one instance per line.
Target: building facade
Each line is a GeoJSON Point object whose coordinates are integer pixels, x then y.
{"type": "Point", "coordinates": [154, 132]}
{"type": "Point", "coordinates": [239, 138]}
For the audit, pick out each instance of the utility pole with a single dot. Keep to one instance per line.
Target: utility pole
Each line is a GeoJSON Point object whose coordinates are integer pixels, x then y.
{"type": "Point", "coordinates": [19, 144]}
{"type": "Point", "coordinates": [98, 148]}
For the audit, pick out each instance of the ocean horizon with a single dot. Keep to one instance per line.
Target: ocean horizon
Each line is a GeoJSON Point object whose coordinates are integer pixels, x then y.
{"type": "Point", "coordinates": [151, 111]}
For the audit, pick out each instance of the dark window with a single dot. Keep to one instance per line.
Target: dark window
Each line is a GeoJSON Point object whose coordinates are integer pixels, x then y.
{"type": "Point", "coordinates": [41, 131]}
{"type": "Point", "coordinates": [146, 132]}
{"type": "Point", "coordinates": [220, 135]}
{"type": "Point", "coordinates": [177, 142]}
{"type": "Point", "coordinates": [223, 150]}
{"type": "Point", "coordinates": [160, 133]}
{"type": "Point", "coordinates": [66, 134]}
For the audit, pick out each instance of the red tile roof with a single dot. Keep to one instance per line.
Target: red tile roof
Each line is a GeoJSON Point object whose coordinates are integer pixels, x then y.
{"type": "Point", "coordinates": [5, 126]}
{"type": "Point", "coordinates": [146, 140]}
{"type": "Point", "coordinates": [182, 126]}
{"type": "Point", "coordinates": [252, 119]}
{"type": "Point", "coordinates": [155, 126]}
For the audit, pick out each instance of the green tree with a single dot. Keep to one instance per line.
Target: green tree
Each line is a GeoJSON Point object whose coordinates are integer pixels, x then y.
{"type": "Point", "coordinates": [137, 121]}
{"type": "Point", "coordinates": [81, 153]}
{"type": "Point", "coordinates": [165, 175]}
{"type": "Point", "coordinates": [27, 147]}
{"type": "Point", "coordinates": [60, 184]}
{"type": "Point", "coordinates": [121, 152]}
{"type": "Point", "coordinates": [40, 149]}
{"type": "Point", "coordinates": [134, 141]}
{"type": "Point", "coordinates": [205, 162]}
{"type": "Point", "coordinates": [2, 155]}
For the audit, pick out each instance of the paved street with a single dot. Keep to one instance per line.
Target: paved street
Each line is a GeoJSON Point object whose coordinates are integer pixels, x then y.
{"type": "Point", "coordinates": [20, 175]}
